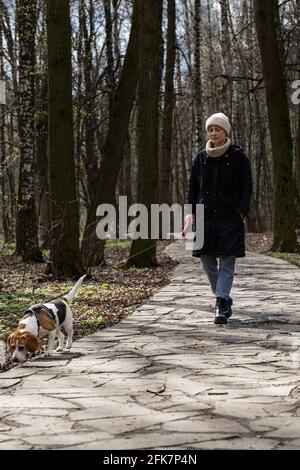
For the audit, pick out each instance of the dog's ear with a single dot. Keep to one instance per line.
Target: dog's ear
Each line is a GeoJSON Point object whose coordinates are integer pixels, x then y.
{"type": "Point", "coordinates": [31, 342]}
{"type": "Point", "coordinates": [9, 342]}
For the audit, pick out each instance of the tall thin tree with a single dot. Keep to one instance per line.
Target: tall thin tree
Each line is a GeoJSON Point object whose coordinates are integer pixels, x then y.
{"type": "Point", "coordinates": [227, 94]}
{"type": "Point", "coordinates": [27, 227]}
{"type": "Point", "coordinates": [169, 101]}
{"type": "Point", "coordinates": [6, 221]}
{"type": "Point", "coordinates": [297, 150]}
{"type": "Point", "coordinates": [268, 28]}
{"type": "Point", "coordinates": [143, 251]}
{"type": "Point", "coordinates": [65, 254]}
{"type": "Point", "coordinates": [90, 159]}
{"type": "Point", "coordinates": [92, 247]}
{"type": "Point", "coordinates": [42, 131]}
{"type": "Point", "coordinates": [198, 74]}
{"type": "Point", "coordinates": [110, 79]}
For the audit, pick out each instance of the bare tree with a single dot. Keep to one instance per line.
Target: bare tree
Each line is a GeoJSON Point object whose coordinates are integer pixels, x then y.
{"type": "Point", "coordinates": [41, 118]}
{"type": "Point", "coordinates": [6, 222]}
{"type": "Point", "coordinates": [65, 255]}
{"type": "Point", "coordinates": [143, 251]}
{"type": "Point", "coordinates": [227, 94]}
{"type": "Point", "coordinates": [90, 157]}
{"type": "Point", "coordinates": [165, 195]}
{"type": "Point", "coordinates": [27, 228]}
{"type": "Point", "coordinates": [92, 247]}
{"type": "Point", "coordinates": [198, 75]}
{"type": "Point", "coordinates": [267, 25]}
{"type": "Point", "coordinates": [110, 79]}
{"type": "Point", "coordinates": [3, 183]}
{"type": "Point", "coordinates": [297, 149]}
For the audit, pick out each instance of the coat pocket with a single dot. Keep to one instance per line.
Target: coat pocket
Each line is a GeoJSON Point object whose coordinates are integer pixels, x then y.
{"type": "Point", "coordinates": [239, 213]}
{"type": "Point", "coordinates": [236, 211]}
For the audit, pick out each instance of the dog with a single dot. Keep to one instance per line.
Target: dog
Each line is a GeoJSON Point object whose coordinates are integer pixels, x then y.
{"type": "Point", "coordinates": [41, 320]}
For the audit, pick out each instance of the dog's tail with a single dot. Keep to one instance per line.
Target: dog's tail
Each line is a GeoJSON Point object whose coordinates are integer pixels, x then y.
{"type": "Point", "coordinates": [73, 291]}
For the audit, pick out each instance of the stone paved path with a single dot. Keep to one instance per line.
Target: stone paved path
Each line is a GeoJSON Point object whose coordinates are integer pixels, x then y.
{"type": "Point", "coordinates": [167, 377]}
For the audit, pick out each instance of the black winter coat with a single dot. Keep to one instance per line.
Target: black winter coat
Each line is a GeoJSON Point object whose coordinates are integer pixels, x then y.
{"type": "Point", "coordinates": [224, 186]}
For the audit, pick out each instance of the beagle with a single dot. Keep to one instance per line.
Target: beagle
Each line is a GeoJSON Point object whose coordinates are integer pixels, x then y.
{"type": "Point", "coordinates": [40, 320]}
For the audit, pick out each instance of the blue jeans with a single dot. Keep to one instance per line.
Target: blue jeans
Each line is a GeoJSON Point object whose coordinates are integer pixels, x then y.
{"type": "Point", "coordinates": [220, 276]}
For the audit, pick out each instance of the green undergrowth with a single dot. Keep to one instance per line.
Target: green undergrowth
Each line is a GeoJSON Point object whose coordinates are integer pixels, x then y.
{"type": "Point", "coordinates": [293, 258]}
{"type": "Point", "coordinates": [112, 293]}
{"type": "Point", "coordinates": [13, 304]}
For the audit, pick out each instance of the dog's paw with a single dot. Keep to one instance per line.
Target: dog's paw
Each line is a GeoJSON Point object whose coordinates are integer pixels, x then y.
{"type": "Point", "coordinates": [59, 348]}
{"type": "Point", "coordinates": [68, 346]}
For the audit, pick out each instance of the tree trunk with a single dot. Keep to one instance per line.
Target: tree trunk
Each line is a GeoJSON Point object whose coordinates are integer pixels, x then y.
{"type": "Point", "coordinates": [143, 252]}
{"type": "Point", "coordinates": [267, 25]}
{"type": "Point", "coordinates": [43, 165]}
{"type": "Point", "coordinates": [92, 247]}
{"type": "Point", "coordinates": [226, 57]}
{"type": "Point", "coordinates": [15, 116]}
{"type": "Point", "coordinates": [6, 223]}
{"type": "Point", "coordinates": [165, 195]}
{"type": "Point", "coordinates": [212, 94]}
{"type": "Point", "coordinates": [27, 227]}
{"type": "Point", "coordinates": [11, 48]}
{"type": "Point", "coordinates": [65, 255]}
{"type": "Point", "coordinates": [297, 149]}
{"type": "Point", "coordinates": [110, 80]}
{"type": "Point", "coordinates": [127, 170]}
{"type": "Point", "coordinates": [297, 157]}
{"type": "Point", "coordinates": [116, 33]}
{"type": "Point", "coordinates": [124, 178]}
{"type": "Point", "coordinates": [90, 159]}
{"type": "Point", "coordinates": [198, 75]}
{"type": "Point", "coordinates": [78, 117]}
{"type": "Point", "coordinates": [42, 134]}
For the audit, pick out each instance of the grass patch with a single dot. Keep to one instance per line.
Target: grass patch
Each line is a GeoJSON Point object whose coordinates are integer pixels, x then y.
{"type": "Point", "coordinates": [118, 244]}
{"type": "Point", "coordinates": [7, 250]}
{"type": "Point", "coordinates": [14, 304]}
{"type": "Point", "coordinates": [293, 258]}
{"type": "Point", "coordinates": [110, 295]}
{"type": "Point", "coordinates": [93, 321]}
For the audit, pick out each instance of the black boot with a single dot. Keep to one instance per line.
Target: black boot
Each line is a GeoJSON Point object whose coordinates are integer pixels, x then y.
{"type": "Point", "coordinates": [228, 311]}
{"type": "Point", "coordinates": [223, 308]}
{"type": "Point", "coordinates": [220, 311]}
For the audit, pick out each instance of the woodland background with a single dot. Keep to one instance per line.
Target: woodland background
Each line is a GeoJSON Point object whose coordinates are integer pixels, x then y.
{"type": "Point", "coordinates": [102, 98]}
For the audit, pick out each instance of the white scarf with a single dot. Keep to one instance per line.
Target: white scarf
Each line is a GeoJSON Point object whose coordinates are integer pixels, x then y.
{"type": "Point", "coordinates": [217, 151]}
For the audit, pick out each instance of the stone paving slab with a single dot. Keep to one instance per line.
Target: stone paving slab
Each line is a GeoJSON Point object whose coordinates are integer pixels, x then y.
{"type": "Point", "coordinates": [168, 378]}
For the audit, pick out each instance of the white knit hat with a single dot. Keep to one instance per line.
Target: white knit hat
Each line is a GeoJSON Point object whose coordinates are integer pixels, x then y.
{"type": "Point", "coordinates": [219, 119]}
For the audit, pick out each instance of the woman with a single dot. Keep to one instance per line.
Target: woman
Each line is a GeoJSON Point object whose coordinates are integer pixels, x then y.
{"type": "Point", "coordinates": [221, 180]}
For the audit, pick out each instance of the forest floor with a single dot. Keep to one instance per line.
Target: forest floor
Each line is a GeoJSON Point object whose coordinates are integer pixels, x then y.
{"type": "Point", "coordinates": [262, 243]}
{"type": "Point", "coordinates": [112, 294]}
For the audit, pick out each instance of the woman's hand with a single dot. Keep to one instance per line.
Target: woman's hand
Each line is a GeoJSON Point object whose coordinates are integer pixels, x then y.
{"type": "Point", "coordinates": [188, 221]}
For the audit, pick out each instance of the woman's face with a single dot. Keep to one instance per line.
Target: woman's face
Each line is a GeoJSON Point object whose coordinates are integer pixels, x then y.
{"type": "Point", "coordinates": [217, 135]}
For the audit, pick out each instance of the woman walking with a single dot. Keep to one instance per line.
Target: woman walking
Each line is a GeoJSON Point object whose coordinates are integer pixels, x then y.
{"type": "Point", "coordinates": [221, 180]}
